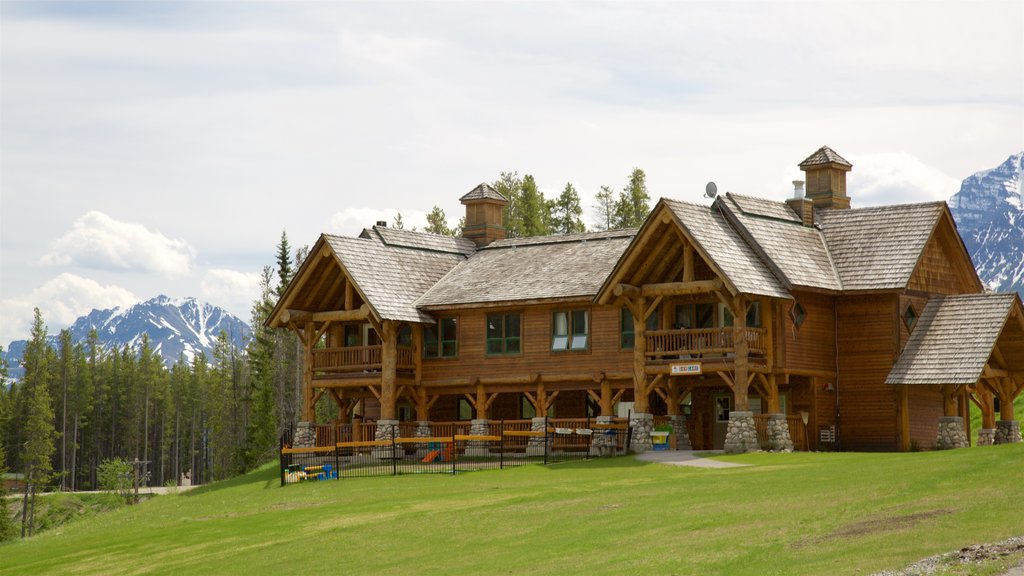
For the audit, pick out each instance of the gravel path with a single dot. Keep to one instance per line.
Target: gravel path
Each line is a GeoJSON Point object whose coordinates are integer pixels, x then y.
{"type": "Point", "coordinates": [697, 459]}
{"type": "Point", "coordinates": [974, 554]}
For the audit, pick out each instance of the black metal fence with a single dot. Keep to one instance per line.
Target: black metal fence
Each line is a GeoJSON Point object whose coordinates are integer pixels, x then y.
{"type": "Point", "coordinates": [449, 454]}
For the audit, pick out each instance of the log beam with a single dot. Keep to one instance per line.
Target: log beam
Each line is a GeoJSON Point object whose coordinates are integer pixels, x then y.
{"type": "Point", "coordinates": [681, 288]}
{"type": "Point", "coordinates": [302, 316]}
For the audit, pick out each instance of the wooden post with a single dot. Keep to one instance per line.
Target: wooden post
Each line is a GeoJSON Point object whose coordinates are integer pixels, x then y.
{"type": "Point", "coordinates": [481, 404]}
{"type": "Point", "coordinates": [388, 369]}
{"type": "Point", "coordinates": [606, 398]}
{"type": "Point", "coordinates": [641, 402]}
{"type": "Point", "coordinates": [948, 400]}
{"type": "Point", "coordinates": [903, 417]}
{"type": "Point", "coordinates": [771, 386]}
{"type": "Point", "coordinates": [739, 342]}
{"type": "Point", "coordinates": [688, 263]}
{"type": "Point", "coordinates": [813, 418]}
{"type": "Point", "coordinates": [1006, 397]}
{"type": "Point", "coordinates": [308, 405]}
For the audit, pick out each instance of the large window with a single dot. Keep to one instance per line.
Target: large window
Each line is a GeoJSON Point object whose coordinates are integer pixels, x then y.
{"type": "Point", "coordinates": [689, 316]}
{"type": "Point", "coordinates": [753, 315]}
{"type": "Point", "coordinates": [570, 330]}
{"type": "Point", "coordinates": [441, 339]}
{"type": "Point", "coordinates": [627, 338]}
{"type": "Point", "coordinates": [504, 334]}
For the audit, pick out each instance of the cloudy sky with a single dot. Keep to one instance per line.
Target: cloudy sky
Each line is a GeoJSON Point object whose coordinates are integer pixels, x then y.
{"type": "Point", "coordinates": [161, 148]}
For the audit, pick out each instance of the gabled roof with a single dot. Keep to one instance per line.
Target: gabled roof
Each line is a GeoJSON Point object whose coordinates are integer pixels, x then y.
{"type": "Point", "coordinates": [391, 277]}
{"type": "Point", "coordinates": [723, 247]}
{"type": "Point", "coordinates": [953, 339]}
{"type": "Point", "coordinates": [796, 253]}
{"type": "Point", "coordinates": [878, 248]}
{"type": "Point", "coordinates": [420, 240]}
{"type": "Point", "coordinates": [519, 269]}
{"type": "Point", "coordinates": [824, 156]}
{"type": "Point", "coordinates": [483, 191]}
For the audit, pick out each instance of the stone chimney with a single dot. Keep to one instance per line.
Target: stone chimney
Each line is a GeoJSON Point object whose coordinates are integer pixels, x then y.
{"type": "Point", "coordinates": [826, 178]}
{"type": "Point", "coordinates": [803, 207]}
{"type": "Point", "coordinates": [484, 207]}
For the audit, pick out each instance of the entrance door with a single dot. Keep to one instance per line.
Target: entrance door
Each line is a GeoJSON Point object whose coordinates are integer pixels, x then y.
{"type": "Point", "coordinates": [723, 406]}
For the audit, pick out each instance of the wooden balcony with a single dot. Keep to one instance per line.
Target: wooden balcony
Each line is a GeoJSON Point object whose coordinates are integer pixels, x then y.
{"type": "Point", "coordinates": [701, 343]}
{"type": "Point", "coordinates": [358, 359]}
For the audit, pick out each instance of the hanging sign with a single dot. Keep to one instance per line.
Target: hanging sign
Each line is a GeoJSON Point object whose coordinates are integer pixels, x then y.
{"type": "Point", "coordinates": [685, 369]}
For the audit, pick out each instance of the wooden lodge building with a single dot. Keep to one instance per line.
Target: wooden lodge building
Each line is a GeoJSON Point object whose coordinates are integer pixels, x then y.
{"type": "Point", "coordinates": [747, 324]}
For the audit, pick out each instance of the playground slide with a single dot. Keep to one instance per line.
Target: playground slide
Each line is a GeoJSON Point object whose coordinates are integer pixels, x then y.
{"type": "Point", "coordinates": [431, 456]}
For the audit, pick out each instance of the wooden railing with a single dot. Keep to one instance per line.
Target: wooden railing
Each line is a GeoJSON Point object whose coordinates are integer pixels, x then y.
{"type": "Point", "coordinates": [358, 358]}
{"type": "Point", "coordinates": [329, 435]}
{"type": "Point", "coordinates": [796, 430]}
{"type": "Point", "coordinates": [671, 344]}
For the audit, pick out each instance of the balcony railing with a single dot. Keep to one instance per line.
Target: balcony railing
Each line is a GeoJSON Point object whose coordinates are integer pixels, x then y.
{"type": "Point", "coordinates": [673, 344]}
{"type": "Point", "coordinates": [358, 359]}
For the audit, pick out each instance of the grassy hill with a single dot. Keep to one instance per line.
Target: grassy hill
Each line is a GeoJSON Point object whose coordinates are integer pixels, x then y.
{"type": "Point", "coordinates": [783, 514]}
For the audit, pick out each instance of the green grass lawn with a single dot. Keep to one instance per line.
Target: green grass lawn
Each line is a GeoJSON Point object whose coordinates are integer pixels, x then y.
{"type": "Point", "coordinates": [799, 513]}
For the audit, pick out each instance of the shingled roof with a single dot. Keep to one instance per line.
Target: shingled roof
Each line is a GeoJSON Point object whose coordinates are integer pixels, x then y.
{"type": "Point", "coordinates": [796, 252]}
{"type": "Point", "coordinates": [878, 248]}
{"type": "Point", "coordinates": [483, 191]}
{"type": "Point", "coordinates": [420, 240]}
{"type": "Point", "coordinates": [952, 340]}
{"type": "Point", "coordinates": [519, 269]}
{"type": "Point", "coordinates": [726, 249]}
{"type": "Point", "coordinates": [824, 156]}
{"type": "Point", "coordinates": [392, 277]}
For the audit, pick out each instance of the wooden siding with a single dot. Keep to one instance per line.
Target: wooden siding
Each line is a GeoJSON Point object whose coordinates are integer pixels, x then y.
{"type": "Point", "coordinates": [941, 268]}
{"type": "Point", "coordinates": [812, 346]}
{"type": "Point", "coordinates": [925, 411]}
{"type": "Point", "coordinates": [603, 353]}
{"type": "Point", "coordinates": [867, 350]}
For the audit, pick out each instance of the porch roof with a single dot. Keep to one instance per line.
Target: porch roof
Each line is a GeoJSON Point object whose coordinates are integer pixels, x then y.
{"type": "Point", "coordinates": [954, 337]}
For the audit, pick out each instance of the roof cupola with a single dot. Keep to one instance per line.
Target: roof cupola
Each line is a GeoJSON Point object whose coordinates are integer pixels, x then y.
{"type": "Point", "coordinates": [484, 215]}
{"type": "Point", "coordinates": [826, 178]}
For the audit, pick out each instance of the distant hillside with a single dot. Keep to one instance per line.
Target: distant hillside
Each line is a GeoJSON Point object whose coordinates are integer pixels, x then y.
{"type": "Point", "coordinates": [176, 327]}
{"type": "Point", "coordinates": [990, 216]}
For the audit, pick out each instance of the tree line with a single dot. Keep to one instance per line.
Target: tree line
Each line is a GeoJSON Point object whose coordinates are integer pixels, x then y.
{"type": "Point", "coordinates": [529, 213]}
{"type": "Point", "coordinates": [82, 404]}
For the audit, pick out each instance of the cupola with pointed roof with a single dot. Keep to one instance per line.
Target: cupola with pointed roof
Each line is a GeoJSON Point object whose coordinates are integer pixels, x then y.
{"type": "Point", "coordinates": [826, 178]}
{"type": "Point", "coordinates": [484, 214]}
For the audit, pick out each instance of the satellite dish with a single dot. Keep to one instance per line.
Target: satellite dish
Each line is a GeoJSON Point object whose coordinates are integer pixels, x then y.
{"type": "Point", "coordinates": [710, 191]}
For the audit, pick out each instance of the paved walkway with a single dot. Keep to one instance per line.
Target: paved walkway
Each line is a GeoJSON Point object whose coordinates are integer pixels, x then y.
{"type": "Point", "coordinates": [695, 458]}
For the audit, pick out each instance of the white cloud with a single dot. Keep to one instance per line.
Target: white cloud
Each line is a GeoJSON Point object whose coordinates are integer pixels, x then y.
{"type": "Point", "coordinates": [897, 178]}
{"type": "Point", "coordinates": [96, 240]}
{"type": "Point", "coordinates": [61, 301]}
{"type": "Point", "coordinates": [232, 290]}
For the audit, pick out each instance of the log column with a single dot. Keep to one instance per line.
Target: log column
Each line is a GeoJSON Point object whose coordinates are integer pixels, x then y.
{"type": "Point", "coordinates": [951, 425]}
{"type": "Point", "coordinates": [387, 426]}
{"type": "Point", "coordinates": [1007, 429]}
{"type": "Point", "coordinates": [741, 435]}
{"type": "Point", "coordinates": [779, 439]}
{"type": "Point", "coordinates": [675, 418]}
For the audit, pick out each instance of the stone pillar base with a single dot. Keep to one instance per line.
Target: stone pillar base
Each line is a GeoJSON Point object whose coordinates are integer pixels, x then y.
{"type": "Point", "coordinates": [643, 425]}
{"type": "Point", "coordinates": [986, 436]}
{"type": "Point", "coordinates": [423, 430]}
{"type": "Point", "coordinates": [386, 430]}
{"type": "Point", "coordinates": [951, 433]}
{"type": "Point", "coordinates": [481, 427]}
{"type": "Point", "coordinates": [535, 446]}
{"type": "Point", "coordinates": [602, 443]}
{"type": "Point", "coordinates": [305, 435]}
{"type": "Point", "coordinates": [679, 430]}
{"type": "Point", "coordinates": [741, 435]}
{"type": "Point", "coordinates": [778, 433]}
{"type": "Point", "coordinates": [1007, 432]}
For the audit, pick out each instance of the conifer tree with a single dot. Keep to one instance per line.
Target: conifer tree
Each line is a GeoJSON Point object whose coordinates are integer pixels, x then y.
{"type": "Point", "coordinates": [510, 186]}
{"type": "Point", "coordinates": [284, 264]}
{"type": "Point", "coordinates": [38, 448]}
{"type": "Point", "coordinates": [397, 223]}
{"type": "Point", "coordinates": [7, 528]}
{"type": "Point", "coordinates": [566, 212]}
{"type": "Point", "coordinates": [437, 223]}
{"type": "Point", "coordinates": [632, 206]}
{"type": "Point", "coordinates": [533, 209]}
{"type": "Point", "coordinates": [604, 206]}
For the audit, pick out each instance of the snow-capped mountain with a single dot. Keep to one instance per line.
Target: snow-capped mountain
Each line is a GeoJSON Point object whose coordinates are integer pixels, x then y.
{"type": "Point", "coordinates": [176, 327]}
{"type": "Point", "coordinates": [990, 216]}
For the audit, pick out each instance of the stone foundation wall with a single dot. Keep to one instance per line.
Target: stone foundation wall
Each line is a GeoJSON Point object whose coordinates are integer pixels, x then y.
{"type": "Point", "coordinates": [386, 430]}
{"type": "Point", "coordinates": [535, 446]}
{"type": "Point", "coordinates": [305, 435]}
{"type": "Point", "coordinates": [778, 433]}
{"type": "Point", "coordinates": [643, 425]}
{"type": "Point", "coordinates": [1007, 432]}
{"type": "Point", "coordinates": [741, 435]}
{"type": "Point", "coordinates": [479, 428]}
{"type": "Point", "coordinates": [951, 433]}
{"type": "Point", "coordinates": [986, 436]}
{"type": "Point", "coordinates": [602, 444]}
{"type": "Point", "coordinates": [679, 430]}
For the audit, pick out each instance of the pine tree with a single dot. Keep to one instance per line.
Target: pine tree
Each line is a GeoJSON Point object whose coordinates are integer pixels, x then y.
{"type": "Point", "coordinates": [604, 206]}
{"type": "Point", "coordinates": [7, 528]}
{"type": "Point", "coordinates": [262, 427]}
{"type": "Point", "coordinates": [632, 206]}
{"type": "Point", "coordinates": [566, 212]}
{"type": "Point", "coordinates": [510, 186]}
{"type": "Point", "coordinates": [38, 448]}
{"type": "Point", "coordinates": [397, 223]}
{"type": "Point", "coordinates": [533, 209]}
{"type": "Point", "coordinates": [437, 223]}
{"type": "Point", "coordinates": [284, 264]}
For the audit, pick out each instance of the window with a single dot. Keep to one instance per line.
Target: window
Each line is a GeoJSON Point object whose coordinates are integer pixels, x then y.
{"type": "Point", "coordinates": [527, 411]}
{"type": "Point", "coordinates": [797, 314]}
{"type": "Point", "coordinates": [465, 410]}
{"type": "Point", "coordinates": [441, 339]}
{"type": "Point", "coordinates": [627, 338]}
{"type": "Point", "coordinates": [723, 405]}
{"type": "Point", "coordinates": [504, 334]}
{"type": "Point", "coordinates": [352, 337]}
{"type": "Point", "coordinates": [570, 330]}
{"type": "Point", "coordinates": [405, 335]}
{"type": "Point", "coordinates": [910, 317]}
{"type": "Point", "coordinates": [689, 316]}
{"type": "Point", "coordinates": [753, 315]}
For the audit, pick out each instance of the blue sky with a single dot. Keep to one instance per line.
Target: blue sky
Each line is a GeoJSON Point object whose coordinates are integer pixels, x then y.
{"type": "Point", "coordinates": [160, 148]}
